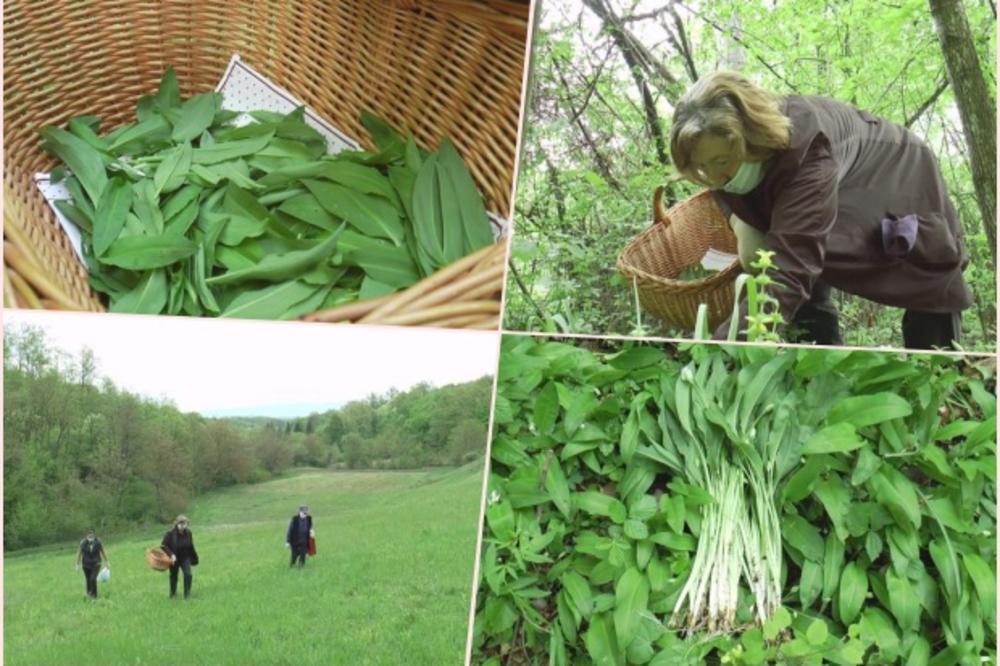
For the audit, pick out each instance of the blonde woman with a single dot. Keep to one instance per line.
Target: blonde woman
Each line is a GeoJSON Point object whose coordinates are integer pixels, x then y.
{"type": "Point", "coordinates": [843, 198]}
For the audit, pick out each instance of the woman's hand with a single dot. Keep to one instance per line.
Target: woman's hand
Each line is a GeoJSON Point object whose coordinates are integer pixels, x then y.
{"type": "Point", "coordinates": [173, 559]}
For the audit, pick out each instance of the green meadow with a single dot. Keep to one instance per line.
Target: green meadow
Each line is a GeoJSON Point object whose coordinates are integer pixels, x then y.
{"type": "Point", "coordinates": [390, 583]}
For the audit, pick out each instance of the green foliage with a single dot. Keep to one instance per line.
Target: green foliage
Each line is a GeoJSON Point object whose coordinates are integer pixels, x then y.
{"type": "Point", "coordinates": [394, 560]}
{"type": "Point", "coordinates": [182, 212]}
{"type": "Point", "coordinates": [590, 161]}
{"type": "Point", "coordinates": [885, 500]}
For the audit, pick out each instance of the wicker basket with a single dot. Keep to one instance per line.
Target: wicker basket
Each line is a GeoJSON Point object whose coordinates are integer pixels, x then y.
{"type": "Point", "coordinates": [677, 240]}
{"type": "Point", "coordinates": [157, 559]}
{"type": "Point", "coordinates": [433, 67]}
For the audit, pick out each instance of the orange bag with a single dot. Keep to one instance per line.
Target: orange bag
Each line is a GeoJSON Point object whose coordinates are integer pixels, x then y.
{"type": "Point", "coordinates": [312, 546]}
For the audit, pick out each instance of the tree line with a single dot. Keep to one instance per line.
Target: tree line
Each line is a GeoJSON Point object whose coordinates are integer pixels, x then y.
{"type": "Point", "coordinates": [80, 451]}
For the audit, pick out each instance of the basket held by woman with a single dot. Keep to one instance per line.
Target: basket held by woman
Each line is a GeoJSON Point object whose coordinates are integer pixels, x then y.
{"type": "Point", "coordinates": [677, 240]}
{"type": "Point", "coordinates": [157, 559]}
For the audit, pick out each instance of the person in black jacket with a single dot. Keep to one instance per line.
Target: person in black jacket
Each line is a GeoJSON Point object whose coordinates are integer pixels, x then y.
{"type": "Point", "coordinates": [90, 554]}
{"type": "Point", "coordinates": [299, 531]}
{"type": "Point", "coordinates": [179, 545]}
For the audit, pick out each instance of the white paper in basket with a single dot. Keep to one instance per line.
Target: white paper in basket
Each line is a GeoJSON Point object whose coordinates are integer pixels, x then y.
{"type": "Point", "coordinates": [243, 89]}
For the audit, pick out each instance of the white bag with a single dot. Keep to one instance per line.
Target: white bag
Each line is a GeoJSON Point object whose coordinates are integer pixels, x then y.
{"type": "Point", "coordinates": [104, 576]}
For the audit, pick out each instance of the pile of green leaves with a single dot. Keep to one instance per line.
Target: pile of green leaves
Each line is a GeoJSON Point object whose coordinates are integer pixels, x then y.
{"type": "Point", "coordinates": [886, 505]}
{"type": "Point", "coordinates": [182, 212]}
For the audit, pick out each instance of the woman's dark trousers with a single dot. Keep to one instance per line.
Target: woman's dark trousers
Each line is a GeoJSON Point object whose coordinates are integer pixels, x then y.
{"type": "Point", "coordinates": [184, 564]}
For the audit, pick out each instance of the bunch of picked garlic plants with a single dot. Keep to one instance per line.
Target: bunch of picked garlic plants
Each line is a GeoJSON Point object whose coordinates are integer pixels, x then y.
{"type": "Point", "coordinates": [736, 436]}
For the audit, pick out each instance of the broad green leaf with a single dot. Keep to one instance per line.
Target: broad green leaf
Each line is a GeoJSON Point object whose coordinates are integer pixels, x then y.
{"type": "Point", "coordinates": [81, 158]}
{"type": "Point", "coordinates": [148, 297]}
{"type": "Point", "coordinates": [370, 215]}
{"type": "Point", "coordinates": [579, 592]}
{"type": "Point", "coordinates": [780, 620]}
{"type": "Point", "coordinates": [836, 499]}
{"type": "Point", "coordinates": [800, 534]}
{"type": "Point", "coordinates": [270, 302]}
{"type": "Point", "coordinates": [866, 410]}
{"type": "Point", "coordinates": [196, 116]}
{"type": "Point", "coordinates": [172, 171]}
{"type": "Point", "coordinates": [602, 646]}
{"type": "Point", "coordinates": [920, 653]}
{"type": "Point", "coordinates": [473, 225]}
{"type": "Point", "coordinates": [557, 487]}
{"type": "Point", "coordinates": [382, 260]}
{"type": "Point", "coordinates": [146, 252]}
{"type": "Point", "coordinates": [109, 217]}
{"type": "Point", "coordinates": [817, 633]}
{"type": "Point", "coordinates": [225, 151]}
{"type": "Point", "coordinates": [833, 439]}
{"type": "Point", "coordinates": [280, 267]}
{"type": "Point", "coordinates": [853, 589]}
{"type": "Point", "coordinates": [546, 408]}
{"type": "Point", "coordinates": [833, 561]}
{"type": "Point", "coordinates": [896, 493]}
{"type": "Point", "coordinates": [305, 207]}
{"type": "Point", "coordinates": [599, 504]}
{"type": "Point", "coordinates": [810, 583]}
{"type": "Point", "coordinates": [984, 580]}
{"type": "Point", "coordinates": [903, 600]}
{"type": "Point", "coordinates": [631, 598]}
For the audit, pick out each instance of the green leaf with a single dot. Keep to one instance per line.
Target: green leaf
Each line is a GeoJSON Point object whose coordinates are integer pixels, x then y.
{"type": "Point", "coordinates": [954, 654]}
{"type": "Point", "coordinates": [599, 504]}
{"type": "Point", "coordinates": [631, 598]}
{"type": "Point", "coordinates": [818, 632]}
{"type": "Point", "coordinates": [833, 439]}
{"type": "Point", "coordinates": [546, 409]}
{"type": "Point", "coordinates": [280, 267]}
{"type": "Point", "coordinates": [903, 601]}
{"type": "Point", "coordinates": [866, 410]}
{"type": "Point", "coordinates": [225, 151]}
{"type": "Point", "coordinates": [833, 561]}
{"type": "Point", "coordinates": [152, 130]}
{"type": "Point", "coordinates": [382, 260]}
{"type": "Point", "coordinates": [866, 465]}
{"type": "Point", "coordinates": [896, 492]}
{"type": "Point", "coordinates": [370, 215]}
{"type": "Point", "coordinates": [557, 487]}
{"type": "Point", "coordinates": [801, 535]}
{"type": "Point", "coordinates": [270, 302]}
{"type": "Point", "coordinates": [148, 297]}
{"type": "Point", "coordinates": [426, 207]}
{"type": "Point", "coordinates": [853, 589]}
{"type": "Point", "coordinates": [305, 207]}
{"type": "Point", "coordinates": [630, 436]}
{"type": "Point", "coordinates": [357, 177]}
{"type": "Point", "coordinates": [810, 583]}
{"type": "Point", "coordinates": [81, 158]}
{"type": "Point", "coordinates": [382, 134]}
{"type": "Point", "coordinates": [474, 225]}
{"type": "Point", "coordinates": [601, 643]}
{"type": "Point", "coordinates": [579, 592]}
{"type": "Point", "coordinates": [146, 252]}
{"type": "Point", "coordinates": [196, 116]}
{"type": "Point", "coordinates": [920, 652]}
{"type": "Point", "coordinates": [172, 171]}
{"type": "Point", "coordinates": [836, 499]}
{"type": "Point", "coordinates": [109, 217]}
{"type": "Point", "coordinates": [637, 357]}
{"type": "Point", "coordinates": [985, 581]}
{"type": "Point", "coordinates": [780, 620]}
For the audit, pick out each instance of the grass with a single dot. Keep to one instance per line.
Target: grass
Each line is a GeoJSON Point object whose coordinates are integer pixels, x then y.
{"type": "Point", "coordinates": [390, 584]}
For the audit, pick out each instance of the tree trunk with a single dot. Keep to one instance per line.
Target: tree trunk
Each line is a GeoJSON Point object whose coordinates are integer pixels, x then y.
{"type": "Point", "coordinates": [975, 107]}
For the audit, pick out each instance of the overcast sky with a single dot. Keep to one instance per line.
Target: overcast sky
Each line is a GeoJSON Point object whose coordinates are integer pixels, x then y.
{"type": "Point", "coordinates": [230, 367]}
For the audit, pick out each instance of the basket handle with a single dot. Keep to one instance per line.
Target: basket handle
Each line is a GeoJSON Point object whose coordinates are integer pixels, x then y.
{"type": "Point", "coordinates": [659, 213]}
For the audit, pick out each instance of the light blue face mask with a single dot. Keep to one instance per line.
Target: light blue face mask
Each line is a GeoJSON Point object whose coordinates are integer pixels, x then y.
{"type": "Point", "coordinates": [747, 177]}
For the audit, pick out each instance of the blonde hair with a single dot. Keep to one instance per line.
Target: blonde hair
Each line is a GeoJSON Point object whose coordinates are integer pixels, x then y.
{"type": "Point", "coordinates": [730, 106]}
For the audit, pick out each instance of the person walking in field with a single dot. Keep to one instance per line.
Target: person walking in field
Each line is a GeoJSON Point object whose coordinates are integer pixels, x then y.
{"type": "Point", "coordinates": [840, 197]}
{"type": "Point", "coordinates": [179, 545]}
{"type": "Point", "coordinates": [300, 530]}
{"type": "Point", "coordinates": [90, 555]}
